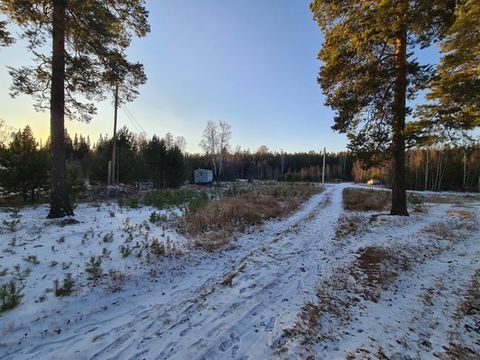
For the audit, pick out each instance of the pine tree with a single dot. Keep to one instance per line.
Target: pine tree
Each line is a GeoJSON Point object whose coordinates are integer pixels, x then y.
{"type": "Point", "coordinates": [154, 156]}
{"type": "Point", "coordinates": [455, 91]}
{"type": "Point", "coordinates": [88, 41]}
{"type": "Point", "coordinates": [368, 74]}
{"type": "Point", "coordinates": [174, 167]}
{"type": "Point", "coordinates": [23, 165]}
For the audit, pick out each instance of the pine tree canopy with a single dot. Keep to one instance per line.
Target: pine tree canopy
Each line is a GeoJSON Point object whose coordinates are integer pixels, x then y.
{"type": "Point", "coordinates": [455, 90]}
{"type": "Point", "coordinates": [97, 34]}
{"type": "Point", "coordinates": [5, 38]}
{"type": "Point", "coordinates": [358, 68]}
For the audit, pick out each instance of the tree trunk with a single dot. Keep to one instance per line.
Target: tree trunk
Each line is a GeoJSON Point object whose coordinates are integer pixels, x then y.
{"type": "Point", "coordinates": [59, 200]}
{"type": "Point", "coordinates": [399, 196]}
{"type": "Point", "coordinates": [426, 172]}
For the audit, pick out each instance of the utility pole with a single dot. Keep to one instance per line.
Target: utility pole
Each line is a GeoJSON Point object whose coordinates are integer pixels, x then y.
{"type": "Point", "coordinates": [111, 173]}
{"type": "Point", "coordinates": [323, 167]}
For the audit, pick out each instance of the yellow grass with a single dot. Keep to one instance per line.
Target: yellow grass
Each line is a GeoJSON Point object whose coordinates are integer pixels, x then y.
{"type": "Point", "coordinates": [365, 200]}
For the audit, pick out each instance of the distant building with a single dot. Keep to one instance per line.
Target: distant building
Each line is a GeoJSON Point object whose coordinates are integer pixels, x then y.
{"type": "Point", "coordinates": [374, 182]}
{"type": "Point", "coordinates": [202, 176]}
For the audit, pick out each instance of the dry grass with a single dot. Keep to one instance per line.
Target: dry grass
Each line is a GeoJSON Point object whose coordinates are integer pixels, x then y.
{"type": "Point", "coordinates": [454, 198]}
{"type": "Point", "coordinates": [376, 268]}
{"type": "Point", "coordinates": [362, 353]}
{"type": "Point", "coordinates": [451, 231]}
{"type": "Point", "coordinates": [355, 199]}
{"type": "Point", "coordinates": [335, 296]}
{"type": "Point", "coordinates": [471, 304]}
{"type": "Point", "coordinates": [462, 214]}
{"type": "Point", "coordinates": [458, 352]}
{"type": "Point", "coordinates": [349, 225]}
{"type": "Point", "coordinates": [213, 225]}
{"type": "Point", "coordinates": [366, 278]}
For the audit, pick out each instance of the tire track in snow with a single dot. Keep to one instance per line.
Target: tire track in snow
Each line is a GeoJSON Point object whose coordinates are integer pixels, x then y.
{"type": "Point", "coordinates": [248, 317]}
{"type": "Point", "coordinates": [131, 334]}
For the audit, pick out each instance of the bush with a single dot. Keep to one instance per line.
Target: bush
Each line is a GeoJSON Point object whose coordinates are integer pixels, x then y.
{"type": "Point", "coordinates": [130, 202]}
{"type": "Point", "coordinates": [67, 287]}
{"type": "Point", "coordinates": [11, 225]}
{"type": "Point", "coordinates": [75, 181]}
{"type": "Point", "coordinates": [125, 250]}
{"type": "Point", "coordinates": [108, 238]}
{"type": "Point", "coordinates": [157, 249]}
{"type": "Point", "coordinates": [10, 296]}
{"type": "Point", "coordinates": [155, 217]}
{"type": "Point", "coordinates": [94, 267]}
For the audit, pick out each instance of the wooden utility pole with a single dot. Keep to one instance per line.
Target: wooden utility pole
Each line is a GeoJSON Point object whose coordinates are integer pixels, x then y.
{"type": "Point", "coordinates": [323, 167]}
{"type": "Point", "coordinates": [114, 140]}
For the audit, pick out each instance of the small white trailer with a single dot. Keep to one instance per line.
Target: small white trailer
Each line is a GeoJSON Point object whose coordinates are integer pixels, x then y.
{"type": "Point", "coordinates": [202, 176]}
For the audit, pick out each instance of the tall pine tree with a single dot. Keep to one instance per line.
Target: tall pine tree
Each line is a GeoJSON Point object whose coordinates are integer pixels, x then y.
{"type": "Point", "coordinates": [88, 43]}
{"type": "Point", "coordinates": [455, 90]}
{"type": "Point", "coordinates": [368, 72]}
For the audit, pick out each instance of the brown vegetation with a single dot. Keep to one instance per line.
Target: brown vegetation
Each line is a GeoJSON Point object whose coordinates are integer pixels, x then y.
{"type": "Point", "coordinates": [376, 268]}
{"type": "Point", "coordinates": [357, 199]}
{"type": "Point", "coordinates": [214, 224]}
{"type": "Point", "coordinates": [349, 225]}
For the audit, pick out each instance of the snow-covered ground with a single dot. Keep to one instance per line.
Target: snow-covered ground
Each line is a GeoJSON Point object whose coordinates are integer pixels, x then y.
{"type": "Point", "coordinates": [293, 288]}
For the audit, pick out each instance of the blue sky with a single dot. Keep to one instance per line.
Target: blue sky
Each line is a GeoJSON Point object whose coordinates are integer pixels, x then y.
{"type": "Point", "coordinates": [251, 63]}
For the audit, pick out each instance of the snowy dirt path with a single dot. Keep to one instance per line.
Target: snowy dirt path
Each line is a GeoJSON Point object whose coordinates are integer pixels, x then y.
{"type": "Point", "coordinates": [416, 315]}
{"type": "Point", "coordinates": [230, 305]}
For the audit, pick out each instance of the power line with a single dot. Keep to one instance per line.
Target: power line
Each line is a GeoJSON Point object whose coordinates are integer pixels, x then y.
{"type": "Point", "coordinates": [131, 121]}
{"type": "Point", "coordinates": [135, 120]}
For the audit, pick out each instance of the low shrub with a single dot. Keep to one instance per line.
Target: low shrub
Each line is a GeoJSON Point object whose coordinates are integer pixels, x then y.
{"type": "Point", "coordinates": [157, 249]}
{"type": "Point", "coordinates": [94, 267]}
{"type": "Point", "coordinates": [10, 296]}
{"type": "Point", "coordinates": [67, 287]}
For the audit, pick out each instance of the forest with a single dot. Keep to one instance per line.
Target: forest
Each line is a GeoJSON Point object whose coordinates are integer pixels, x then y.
{"type": "Point", "coordinates": [160, 163]}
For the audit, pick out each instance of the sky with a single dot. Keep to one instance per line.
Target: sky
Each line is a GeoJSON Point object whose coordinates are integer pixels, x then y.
{"type": "Point", "coordinates": [250, 63]}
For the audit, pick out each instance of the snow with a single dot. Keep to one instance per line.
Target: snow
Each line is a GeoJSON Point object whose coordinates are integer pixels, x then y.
{"type": "Point", "coordinates": [247, 301]}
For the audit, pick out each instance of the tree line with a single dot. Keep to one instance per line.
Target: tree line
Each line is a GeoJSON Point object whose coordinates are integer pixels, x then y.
{"type": "Point", "coordinates": [162, 162]}
{"type": "Point", "coordinates": [435, 168]}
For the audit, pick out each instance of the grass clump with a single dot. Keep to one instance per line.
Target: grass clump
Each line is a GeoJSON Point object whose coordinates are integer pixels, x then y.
{"type": "Point", "coordinates": [32, 259]}
{"type": "Point", "coordinates": [125, 250]}
{"type": "Point", "coordinates": [67, 287]}
{"type": "Point", "coordinates": [10, 296]}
